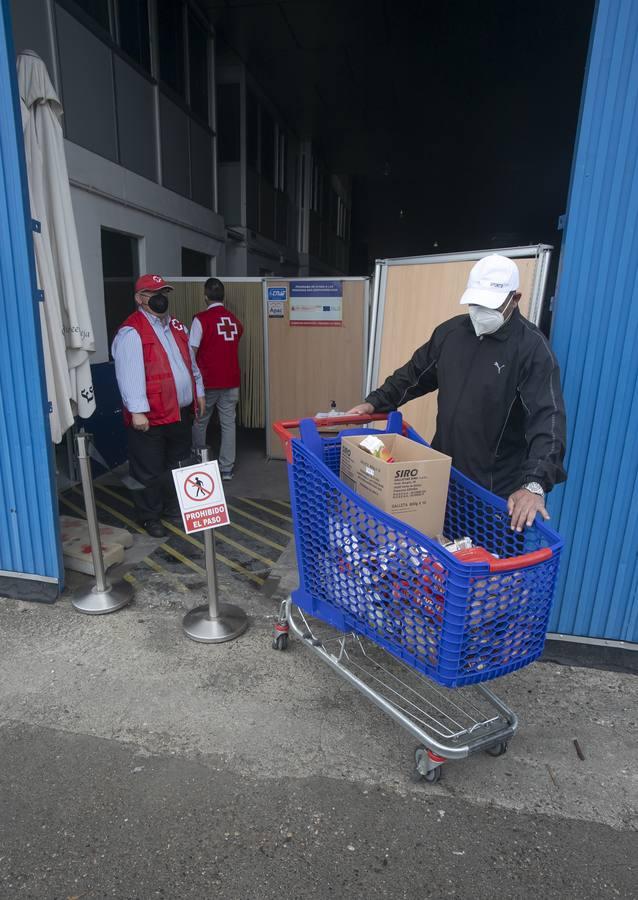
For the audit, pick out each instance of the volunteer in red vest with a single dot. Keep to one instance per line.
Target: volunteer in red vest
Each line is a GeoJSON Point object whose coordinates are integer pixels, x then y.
{"type": "Point", "coordinates": [161, 390]}
{"type": "Point", "coordinates": [215, 336]}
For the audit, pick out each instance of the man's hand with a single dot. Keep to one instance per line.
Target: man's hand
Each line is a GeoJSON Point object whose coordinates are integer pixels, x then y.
{"type": "Point", "coordinates": [201, 406]}
{"type": "Point", "coordinates": [363, 409]}
{"type": "Point", "coordinates": [522, 506]}
{"type": "Point", "coordinates": [139, 421]}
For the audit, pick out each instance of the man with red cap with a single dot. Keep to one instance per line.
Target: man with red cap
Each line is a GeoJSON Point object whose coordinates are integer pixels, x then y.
{"type": "Point", "coordinates": [161, 389]}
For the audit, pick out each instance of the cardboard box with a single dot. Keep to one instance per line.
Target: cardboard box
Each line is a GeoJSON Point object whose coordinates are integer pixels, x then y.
{"type": "Point", "coordinates": [413, 488]}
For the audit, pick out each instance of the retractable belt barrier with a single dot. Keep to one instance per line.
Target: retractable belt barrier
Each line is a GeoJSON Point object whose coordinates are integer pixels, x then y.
{"type": "Point", "coordinates": [104, 596]}
{"type": "Point", "coordinates": [203, 505]}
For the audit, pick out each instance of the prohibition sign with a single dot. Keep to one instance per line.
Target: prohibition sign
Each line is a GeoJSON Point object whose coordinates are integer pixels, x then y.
{"type": "Point", "coordinates": [199, 486]}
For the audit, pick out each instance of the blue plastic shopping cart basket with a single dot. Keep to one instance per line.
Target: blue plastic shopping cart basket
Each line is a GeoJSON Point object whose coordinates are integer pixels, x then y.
{"type": "Point", "coordinates": [362, 570]}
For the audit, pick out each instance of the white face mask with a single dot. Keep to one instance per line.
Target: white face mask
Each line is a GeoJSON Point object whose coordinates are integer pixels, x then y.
{"type": "Point", "coordinates": [484, 320]}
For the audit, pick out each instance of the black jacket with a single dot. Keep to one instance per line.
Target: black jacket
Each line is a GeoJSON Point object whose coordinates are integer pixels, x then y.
{"type": "Point", "coordinates": [501, 415]}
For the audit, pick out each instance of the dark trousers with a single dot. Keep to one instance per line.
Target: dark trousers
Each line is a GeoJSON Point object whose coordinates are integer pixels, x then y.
{"type": "Point", "coordinates": [152, 455]}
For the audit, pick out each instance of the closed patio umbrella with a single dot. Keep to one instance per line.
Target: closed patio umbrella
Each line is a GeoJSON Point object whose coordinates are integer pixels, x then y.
{"type": "Point", "coordinates": [66, 321]}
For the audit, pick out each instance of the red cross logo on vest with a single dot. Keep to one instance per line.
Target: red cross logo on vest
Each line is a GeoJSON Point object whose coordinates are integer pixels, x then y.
{"type": "Point", "coordinates": [227, 329]}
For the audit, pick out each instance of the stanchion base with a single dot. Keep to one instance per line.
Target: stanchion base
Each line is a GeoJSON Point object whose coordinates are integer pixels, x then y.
{"type": "Point", "coordinates": [97, 603]}
{"type": "Point", "coordinates": [229, 624]}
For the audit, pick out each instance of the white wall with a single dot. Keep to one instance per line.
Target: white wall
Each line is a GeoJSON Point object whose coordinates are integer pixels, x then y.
{"type": "Point", "coordinates": [106, 195]}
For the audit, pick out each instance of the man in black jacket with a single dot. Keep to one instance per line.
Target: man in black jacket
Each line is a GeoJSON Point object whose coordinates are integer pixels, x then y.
{"type": "Point", "coordinates": [501, 415]}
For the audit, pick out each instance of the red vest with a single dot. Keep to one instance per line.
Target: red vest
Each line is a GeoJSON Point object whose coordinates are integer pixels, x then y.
{"type": "Point", "coordinates": [217, 354]}
{"type": "Point", "coordinates": [161, 392]}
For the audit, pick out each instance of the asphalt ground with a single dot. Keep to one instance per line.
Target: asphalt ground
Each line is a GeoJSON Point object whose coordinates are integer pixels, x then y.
{"type": "Point", "coordinates": [90, 818]}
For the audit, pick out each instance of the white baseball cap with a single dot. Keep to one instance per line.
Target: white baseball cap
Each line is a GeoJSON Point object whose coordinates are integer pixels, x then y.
{"type": "Point", "coordinates": [490, 281]}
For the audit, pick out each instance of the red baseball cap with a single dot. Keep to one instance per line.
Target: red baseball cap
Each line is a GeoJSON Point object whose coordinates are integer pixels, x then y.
{"type": "Point", "coordinates": [151, 284]}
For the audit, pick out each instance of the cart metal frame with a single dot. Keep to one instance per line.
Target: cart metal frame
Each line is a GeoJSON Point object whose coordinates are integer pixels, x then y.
{"type": "Point", "coordinates": [449, 723]}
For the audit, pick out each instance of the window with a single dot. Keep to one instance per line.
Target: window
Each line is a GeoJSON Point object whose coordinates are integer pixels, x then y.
{"type": "Point", "coordinates": [302, 181]}
{"type": "Point", "coordinates": [132, 20]}
{"type": "Point", "coordinates": [228, 123]}
{"type": "Point", "coordinates": [98, 10]}
{"type": "Point", "coordinates": [252, 130]}
{"type": "Point", "coordinates": [333, 210]}
{"type": "Point", "coordinates": [267, 147]}
{"type": "Point", "coordinates": [194, 263]}
{"type": "Point", "coordinates": [316, 203]}
{"type": "Point", "coordinates": [252, 199]}
{"type": "Point", "coordinates": [198, 67]}
{"type": "Point", "coordinates": [120, 269]}
{"type": "Point", "coordinates": [170, 26]}
{"type": "Point", "coordinates": [282, 162]}
{"type": "Point", "coordinates": [342, 219]}
{"type": "Point", "coordinates": [294, 180]}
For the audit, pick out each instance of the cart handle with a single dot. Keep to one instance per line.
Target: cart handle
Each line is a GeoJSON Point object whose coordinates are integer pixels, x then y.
{"type": "Point", "coordinates": [512, 563]}
{"type": "Point", "coordinates": [283, 429]}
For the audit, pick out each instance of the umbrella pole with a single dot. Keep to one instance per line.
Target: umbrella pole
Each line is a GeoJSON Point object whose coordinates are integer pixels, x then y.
{"type": "Point", "coordinates": [103, 597]}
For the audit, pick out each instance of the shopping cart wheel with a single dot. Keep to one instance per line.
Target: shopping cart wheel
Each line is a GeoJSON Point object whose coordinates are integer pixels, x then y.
{"type": "Point", "coordinates": [280, 635]}
{"type": "Point", "coordinates": [280, 642]}
{"type": "Point", "coordinates": [430, 775]}
{"type": "Point", "coordinates": [497, 749]}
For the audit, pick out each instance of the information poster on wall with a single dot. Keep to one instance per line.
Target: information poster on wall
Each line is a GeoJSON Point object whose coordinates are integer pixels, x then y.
{"type": "Point", "coordinates": [316, 303]}
{"type": "Point", "coordinates": [277, 297]}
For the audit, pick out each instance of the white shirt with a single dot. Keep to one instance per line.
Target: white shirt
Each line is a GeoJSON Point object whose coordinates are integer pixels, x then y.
{"type": "Point", "coordinates": [129, 365]}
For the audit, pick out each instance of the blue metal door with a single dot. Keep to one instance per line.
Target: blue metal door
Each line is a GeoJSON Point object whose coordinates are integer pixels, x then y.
{"type": "Point", "coordinates": [30, 557]}
{"type": "Point", "coordinates": [595, 337]}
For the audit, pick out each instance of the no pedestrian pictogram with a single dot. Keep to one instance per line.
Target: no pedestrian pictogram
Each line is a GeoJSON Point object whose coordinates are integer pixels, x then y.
{"type": "Point", "coordinates": [199, 486]}
{"type": "Point", "coordinates": [201, 496]}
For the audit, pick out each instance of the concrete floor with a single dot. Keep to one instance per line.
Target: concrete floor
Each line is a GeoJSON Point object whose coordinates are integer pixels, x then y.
{"type": "Point", "coordinates": [138, 764]}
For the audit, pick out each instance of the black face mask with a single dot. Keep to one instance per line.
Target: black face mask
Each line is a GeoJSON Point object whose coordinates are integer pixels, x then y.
{"type": "Point", "coordinates": [158, 303]}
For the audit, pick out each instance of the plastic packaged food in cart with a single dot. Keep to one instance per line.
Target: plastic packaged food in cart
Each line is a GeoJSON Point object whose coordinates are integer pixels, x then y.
{"type": "Point", "coordinates": [337, 578]}
{"type": "Point", "coordinates": [397, 589]}
{"type": "Point", "coordinates": [454, 545]}
{"type": "Point", "coordinates": [375, 447]}
{"type": "Point", "coordinates": [340, 533]}
{"type": "Point", "coordinates": [475, 554]}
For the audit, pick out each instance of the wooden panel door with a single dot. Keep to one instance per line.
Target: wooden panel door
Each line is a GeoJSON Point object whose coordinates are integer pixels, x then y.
{"type": "Point", "coordinates": [309, 366]}
{"type": "Point", "coordinates": [418, 298]}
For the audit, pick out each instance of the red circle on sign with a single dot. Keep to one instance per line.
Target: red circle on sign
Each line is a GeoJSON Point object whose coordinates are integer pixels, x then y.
{"type": "Point", "coordinates": [199, 486]}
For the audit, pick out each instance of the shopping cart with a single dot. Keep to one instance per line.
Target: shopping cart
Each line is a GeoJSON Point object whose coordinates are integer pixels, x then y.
{"type": "Point", "coordinates": [400, 617]}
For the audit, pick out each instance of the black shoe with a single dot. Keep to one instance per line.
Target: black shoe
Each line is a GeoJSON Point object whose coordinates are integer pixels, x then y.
{"type": "Point", "coordinates": [173, 515]}
{"type": "Point", "coordinates": [155, 528]}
